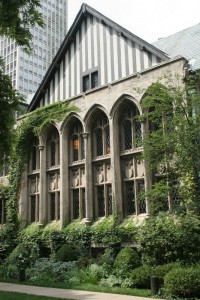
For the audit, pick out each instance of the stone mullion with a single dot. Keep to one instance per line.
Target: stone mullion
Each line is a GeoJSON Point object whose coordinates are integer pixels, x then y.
{"type": "Point", "coordinates": [43, 186]}
{"type": "Point", "coordinates": [89, 181]}
{"type": "Point", "coordinates": [115, 166]}
{"type": "Point", "coordinates": [64, 180]}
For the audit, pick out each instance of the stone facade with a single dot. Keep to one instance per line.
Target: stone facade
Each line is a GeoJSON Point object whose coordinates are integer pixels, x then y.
{"type": "Point", "coordinates": [91, 161]}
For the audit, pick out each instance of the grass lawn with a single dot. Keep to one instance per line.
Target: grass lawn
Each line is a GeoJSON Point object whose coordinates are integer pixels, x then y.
{"type": "Point", "coordinates": [19, 296]}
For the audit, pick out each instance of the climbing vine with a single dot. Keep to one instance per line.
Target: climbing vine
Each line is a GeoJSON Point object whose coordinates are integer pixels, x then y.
{"type": "Point", "coordinates": [173, 141]}
{"type": "Point", "coordinates": [31, 125]}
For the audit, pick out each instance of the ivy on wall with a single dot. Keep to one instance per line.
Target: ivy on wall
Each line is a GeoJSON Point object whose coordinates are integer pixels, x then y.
{"type": "Point", "coordinates": [30, 126]}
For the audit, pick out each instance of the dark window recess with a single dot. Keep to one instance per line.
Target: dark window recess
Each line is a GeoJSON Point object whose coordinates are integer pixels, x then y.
{"type": "Point", "coordinates": [75, 204]}
{"type": "Point", "coordinates": [101, 201]}
{"type": "Point", "coordinates": [130, 198]}
{"type": "Point", "coordinates": [94, 80]}
{"type": "Point", "coordinates": [52, 207]}
{"type": "Point", "coordinates": [86, 83]}
{"type": "Point", "coordinates": [90, 81]}
{"type": "Point", "coordinates": [53, 153]}
{"type": "Point", "coordinates": [33, 208]}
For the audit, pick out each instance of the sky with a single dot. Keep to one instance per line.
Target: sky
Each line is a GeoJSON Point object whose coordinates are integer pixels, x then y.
{"type": "Point", "coordinates": [148, 19]}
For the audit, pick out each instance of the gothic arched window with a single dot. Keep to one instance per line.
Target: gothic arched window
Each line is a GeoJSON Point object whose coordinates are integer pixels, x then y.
{"type": "Point", "coordinates": [131, 133]}
{"type": "Point", "coordinates": [101, 136]}
{"type": "Point", "coordinates": [77, 142]}
{"type": "Point", "coordinates": [53, 148]}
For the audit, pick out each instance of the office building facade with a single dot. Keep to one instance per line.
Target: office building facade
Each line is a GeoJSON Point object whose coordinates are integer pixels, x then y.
{"type": "Point", "coordinates": [27, 71]}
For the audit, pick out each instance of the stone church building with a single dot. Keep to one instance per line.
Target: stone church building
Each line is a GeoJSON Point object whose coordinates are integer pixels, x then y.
{"type": "Point", "coordinates": [90, 161]}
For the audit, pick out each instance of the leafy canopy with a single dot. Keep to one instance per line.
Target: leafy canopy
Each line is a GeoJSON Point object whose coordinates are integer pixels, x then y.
{"type": "Point", "coordinates": [17, 19]}
{"type": "Point", "coordinates": [9, 103]}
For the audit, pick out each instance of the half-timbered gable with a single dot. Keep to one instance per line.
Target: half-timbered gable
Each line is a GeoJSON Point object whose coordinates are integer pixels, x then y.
{"type": "Point", "coordinates": [95, 52]}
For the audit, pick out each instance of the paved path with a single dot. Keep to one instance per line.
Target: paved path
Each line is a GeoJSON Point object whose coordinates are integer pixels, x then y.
{"type": "Point", "coordinates": [64, 293]}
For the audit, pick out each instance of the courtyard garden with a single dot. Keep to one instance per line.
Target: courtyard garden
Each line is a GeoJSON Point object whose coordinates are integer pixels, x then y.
{"type": "Point", "coordinates": [110, 256]}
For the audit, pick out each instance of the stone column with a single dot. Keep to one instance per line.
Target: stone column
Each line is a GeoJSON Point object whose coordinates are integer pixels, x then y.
{"type": "Point", "coordinates": [116, 168]}
{"type": "Point", "coordinates": [88, 176]}
{"type": "Point", "coordinates": [43, 187]}
{"type": "Point", "coordinates": [64, 181]}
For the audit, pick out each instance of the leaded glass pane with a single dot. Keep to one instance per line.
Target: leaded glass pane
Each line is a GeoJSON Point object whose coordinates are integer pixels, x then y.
{"type": "Point", "coordinates": [109, 197]}
{"type": "Point", "coordinates": [58, 207]}
{"type": "Point", "coordinates": [86, 83]}
{"type": "Point", "coordinates": [99, 142]}
{"type": "Point", "coordinates": [101, 201]}
{"type": "Point", "coordinates": [94, 79]}
{"type": "Point", "coordinates": [138, 134]}
{"type": "Point", "coordinates": [141, 197]}
{"type": "Point", "coordinates": [82, 148]}
{"type": "Point", "coordinates": [127, 135]}
{"type": "Point", "coordinates": [107, 140]}
{"type": "Point", "coordinates": [75, 204]}
{"type": "Point", "coordinates": [52, 153]}
{"type": "Point", "coordinates": [33, 208]}
{"type": "Point", "coordinates": [75, 147]}
{"type": "Point", "coordinates": [83, 204]}
{"type": "Point", "coordinates": [130, 198]}
{"type": "Point", "coordinates": [52, 207]}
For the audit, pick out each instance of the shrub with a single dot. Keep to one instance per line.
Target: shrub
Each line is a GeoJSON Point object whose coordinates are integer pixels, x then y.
{"type": "Point", "coordinates": [166, 238]}
{"type": "Point", "coordinates": [107, 259]}
{"type": "Point", "coordinates": [162, 270]}
{"type": "Point", "coordinates": [127, 260]}
{"type": "Point", "coordinates": [183, 282]}
{"type": "Point", "coordinates": [92, 274]}
{"type": "Point", "coordinates": [105, 231]}
{"type": "Point", "coordinates": [140, 277]}
{"type": "Point", "coordinates": [66, 253]}
{"type": "Point", "coordinates": [111, 281]}
{"type": "Point", "coordinates": [51, 271]}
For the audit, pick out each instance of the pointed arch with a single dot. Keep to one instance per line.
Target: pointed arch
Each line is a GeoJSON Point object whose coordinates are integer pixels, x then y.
{"type": "Point", "coordinates": [120, 100]}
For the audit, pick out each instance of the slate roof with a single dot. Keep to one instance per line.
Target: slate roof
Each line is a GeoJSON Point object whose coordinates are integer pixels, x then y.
{"type": "Point", "coordinates": [185, 43]}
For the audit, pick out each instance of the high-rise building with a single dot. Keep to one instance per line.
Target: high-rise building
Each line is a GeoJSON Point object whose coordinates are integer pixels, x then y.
{"type": "Point", "coordinates": [27, 71]}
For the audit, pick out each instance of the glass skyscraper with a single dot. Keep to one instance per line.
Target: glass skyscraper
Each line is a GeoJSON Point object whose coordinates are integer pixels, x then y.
{"type": "Point", "coordinates": [27, 71]}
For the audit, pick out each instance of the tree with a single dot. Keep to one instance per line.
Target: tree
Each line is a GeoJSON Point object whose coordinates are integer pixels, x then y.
{"type": "Point", "coordinates": [173, 140]}
{"type": "Point", "coordinates": [9, 102]}
{"type": "Point", "coordinates": [17, 19]}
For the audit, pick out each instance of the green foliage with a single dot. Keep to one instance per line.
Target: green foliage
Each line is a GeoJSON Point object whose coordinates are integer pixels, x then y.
{"type": "Point", "coordinates": [22, 257]}
{"type": "Point", "coordinates": [107, 259]}
{"type": "Point", "coordinates": [173, 118]}
{"type": "Point", "coordinates": [157, 197]}
{"type": "Point", "coordinates": [78, 234]}
{"type": "Point", "coordinates": [126, 260]}
{"type": "Point", "coordinates": [9, 103]}
{"type": "Point", "coordinates": [66, 253]}
{"type": "Point", "coordinates": [17, 18]}
{"type": "Point", "coordinates": [31, 126]}
{"type": "Point", "coordinates": [105, 231]}
{"type": "Point", "coordinates": [111, 281]}
{"type": "Point", "coordinates": [46, 270]}
{"type": "Point", "coordinates": [92, 274]}
{"type": "Point", "coordinates": [183, 282]}
{"type": "Point", "coordinates": [127, 230]}
{"type": "Point", "coordinates": [140, 277]}
{"type": "Point", "coordinates": [162, 270]}
{"type": "Point", "coordinates": [166, 238]}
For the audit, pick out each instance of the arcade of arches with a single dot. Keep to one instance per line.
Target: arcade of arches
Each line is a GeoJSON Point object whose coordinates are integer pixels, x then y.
{"type": "Point", "coordinates": [79, 170]}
